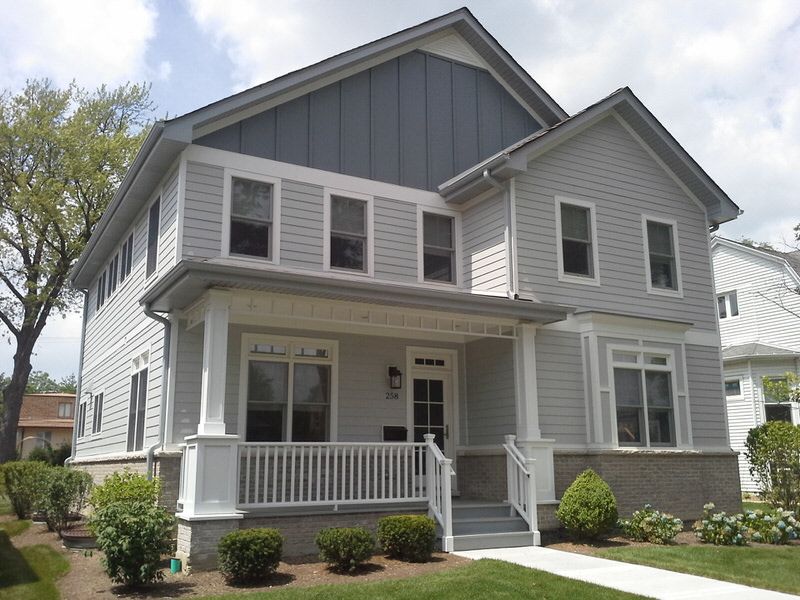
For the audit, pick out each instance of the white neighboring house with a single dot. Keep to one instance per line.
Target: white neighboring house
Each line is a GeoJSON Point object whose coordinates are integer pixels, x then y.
{"type": "Point", "coordinates": [759, 323]}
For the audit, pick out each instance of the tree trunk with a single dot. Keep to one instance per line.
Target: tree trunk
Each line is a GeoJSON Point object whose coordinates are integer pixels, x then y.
{"type": "Point", "coordinates": [12, 402]}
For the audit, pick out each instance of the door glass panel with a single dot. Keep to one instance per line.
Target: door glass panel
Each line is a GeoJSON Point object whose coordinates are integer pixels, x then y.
{"type": "Point", "coordinates": [420, 390]}
{"type": "Point", "coordinates": [437, 415]}
{"type": "Point", "coordinates": [436, 387]}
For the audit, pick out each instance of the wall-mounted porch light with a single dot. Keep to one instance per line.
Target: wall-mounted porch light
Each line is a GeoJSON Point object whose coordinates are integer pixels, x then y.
{"type": "Point", "coordinates": [395, 378]}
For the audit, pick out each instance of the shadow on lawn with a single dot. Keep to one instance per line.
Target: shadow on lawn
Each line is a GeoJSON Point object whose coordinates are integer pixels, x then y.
{"type": "Point", "coordinates": [14, 569]}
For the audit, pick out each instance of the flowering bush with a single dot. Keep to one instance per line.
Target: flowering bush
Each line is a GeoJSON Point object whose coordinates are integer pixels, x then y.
{"type": "Point", "coordinates": [771, 528]}
{"type": "Point", "coordinates": [720, 528]}
{"type": "Point", "coordinates": [651, 525]}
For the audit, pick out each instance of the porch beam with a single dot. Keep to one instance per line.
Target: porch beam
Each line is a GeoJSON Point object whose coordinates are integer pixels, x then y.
{"type": "Point", "coordinates": [215, 359]}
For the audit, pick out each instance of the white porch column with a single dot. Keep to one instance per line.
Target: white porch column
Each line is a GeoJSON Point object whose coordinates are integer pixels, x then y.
{"type": "Point", "coordinates": [210, 468]}
{"type": "Point", "coordinates": [529, 435]}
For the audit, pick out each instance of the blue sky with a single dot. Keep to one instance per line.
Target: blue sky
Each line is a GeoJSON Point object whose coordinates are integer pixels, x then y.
{"type": "Point", "coordinates": [722, 75]}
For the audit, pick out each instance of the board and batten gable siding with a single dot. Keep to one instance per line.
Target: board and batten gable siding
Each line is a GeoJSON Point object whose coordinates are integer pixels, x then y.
{"type": "Point", "coordinates": [484, 242]}
{"type": "Point", "coordinates": [764, 293]}
{"type": "Point", "coordinates": [490, 394]}
{"type": "Point", "coordinates": [416, 120]}
{"type": "Point", "coordinates": [119, 332]}
{"type": "Point", "coordinates": [605, 165]}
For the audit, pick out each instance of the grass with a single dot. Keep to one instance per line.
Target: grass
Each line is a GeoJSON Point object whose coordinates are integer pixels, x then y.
{"type": "Point", "coordinates": [29, 573]}
{"type": "Point", "coordinates": [750, 505]}
{"type": "Point", "coordinates": [14, 527]}
{"type": "Point", "coordinates": [772, 568]}
{"type": "Point", "coordinates": [480, 579]}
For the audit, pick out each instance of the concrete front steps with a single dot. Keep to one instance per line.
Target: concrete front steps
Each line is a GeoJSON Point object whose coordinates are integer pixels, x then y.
{"type": "Point", "coordinates": [480, 525]}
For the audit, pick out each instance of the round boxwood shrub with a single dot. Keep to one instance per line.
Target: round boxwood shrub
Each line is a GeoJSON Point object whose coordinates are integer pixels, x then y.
{"type": "Point", "coordinates": [250, 555]}
{"type": "Point", "coordinates": [126, 487]}
{"type": "Point", "coordinates": [588, 508]}
{"type": "Point", "coordinates": [345, 548]}
{"type": "Point", "coordinates": [407, 537]}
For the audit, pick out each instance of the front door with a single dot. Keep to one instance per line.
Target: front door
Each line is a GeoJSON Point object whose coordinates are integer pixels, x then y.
{"type": "Point", "coordinates": [431, 396]}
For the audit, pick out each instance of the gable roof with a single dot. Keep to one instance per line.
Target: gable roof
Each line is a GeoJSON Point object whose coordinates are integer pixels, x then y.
{"type": "Point", "coordinates": [756, 350]}
{"type": "Point", "coordinates": [790, 260]}
{"type": "Point", "coordinates": [624, 104]}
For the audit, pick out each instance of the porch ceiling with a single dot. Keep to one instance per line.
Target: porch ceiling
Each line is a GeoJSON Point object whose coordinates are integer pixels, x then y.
{"type": "Point", "coordinates": [186, 282]}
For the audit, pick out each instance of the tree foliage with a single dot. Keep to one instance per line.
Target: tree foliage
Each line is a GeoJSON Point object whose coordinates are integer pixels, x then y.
{"type": "Point", "coordinates": [782, 389]}
{"type": "Point", "coordinates": [63, 153]}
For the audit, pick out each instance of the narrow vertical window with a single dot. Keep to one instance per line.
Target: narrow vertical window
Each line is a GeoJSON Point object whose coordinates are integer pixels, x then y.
{"type": "Point", "coordinates": [348, 234]}
{"type": "Point", "coordinates": [438, 235]}
{"type": "Point", "coordinates": [138, 404]}
{"type": "Point", "coordinates": [152, 237]}
{"type": "Point", "coordinates": [81, 419]}
{"type": "Point", "coordinates": [728, 305]}
{"type": "Point", "coordinates": [577, 245]}
{"type": "Point", "coordinates": [97, 414]}
{"type": "Point", "coordinates": [251, 218]}
{"type": "Point", "coordinates": [662, 256]}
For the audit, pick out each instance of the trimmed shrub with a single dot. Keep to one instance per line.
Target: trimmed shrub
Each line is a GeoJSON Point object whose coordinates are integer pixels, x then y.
{"type": "Point", "coordinates": [23, 481]}
{"type": "Point", "coordinates": [720, 528]}
{"type": "Point", "coordinates": [777, 527]}
{"type": "Point", "coordinates": [60, 454]}
{"type": "Point", "coordinates": [407, 537]}
{"type": "Point", "coordinates": [250, 555]}
{"type": "Point", "coordinates": [64, 492]}
{"type": "Point", "coordinates": [345, 548]}
{"type": "Point", "coordinates": [773, 450]}
{"type": "Point", "coordinates": [44, 455]}
{"type": "Point", "coordinates": [651, 525]}
{"type": "Point", "coordinates": [127, 487]}
{"type": "Point", "coordinates": [133, 536]}
{"type": "Point", "coordinates": [588, 508]}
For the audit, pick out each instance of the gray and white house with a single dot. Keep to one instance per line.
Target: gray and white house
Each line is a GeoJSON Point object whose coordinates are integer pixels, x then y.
{"type": "Point", "coordinates": [758, 301]}
{"type": "Point", "coordinates": [405, 279]}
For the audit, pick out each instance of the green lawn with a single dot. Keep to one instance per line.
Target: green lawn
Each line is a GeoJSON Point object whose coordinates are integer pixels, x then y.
{"type": "Point", "coordinates": [755, 506]}
{"type": "Point", "coordinates": [773, 568]}
{"type": "Point", "coordinates": [14, 527]}
{"type": "Point", "coordinates": [480, 579]}
{"type": "Point", "coordinates": [29, 573]}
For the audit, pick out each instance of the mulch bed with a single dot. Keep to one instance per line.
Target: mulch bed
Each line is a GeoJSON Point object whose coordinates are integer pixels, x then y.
{"type": "Point", "coordinates": [86, 579]}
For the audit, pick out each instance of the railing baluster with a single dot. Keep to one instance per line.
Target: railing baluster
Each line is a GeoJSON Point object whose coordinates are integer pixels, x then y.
{"type": "Point", "coordinates": [319, 471]}
{"type": "Point", "coordinates": [359, 474]}
{"type": "Point", "coordinates": [352, 478]}
{"type": "Point", "coordinates": [283, 475]}
{"type": "Point", "coordinates": [335, 472]}
{"type": "Point", "coordinates": [258, 475]}
{"type": "Point", "coordinates": [247, 478]}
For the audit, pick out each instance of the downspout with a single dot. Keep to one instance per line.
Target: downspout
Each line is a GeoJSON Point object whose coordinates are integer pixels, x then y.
{"type": "Point", "coordinates": [75, 406]}
{"type": "Point", "coordinates": [164, 385]}
{"type": "Point", "coordinates": [489, 178]}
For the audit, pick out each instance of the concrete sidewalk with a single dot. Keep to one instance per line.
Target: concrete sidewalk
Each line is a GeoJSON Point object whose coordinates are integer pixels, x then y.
{"type": "Point", "coordinates": [636, 579]}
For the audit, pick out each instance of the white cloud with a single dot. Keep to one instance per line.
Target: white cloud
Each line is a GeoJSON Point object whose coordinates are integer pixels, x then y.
{"type": "Point", "coordinates": [164, 70]}
{"type": "Point", "coordinates": [91, 41]}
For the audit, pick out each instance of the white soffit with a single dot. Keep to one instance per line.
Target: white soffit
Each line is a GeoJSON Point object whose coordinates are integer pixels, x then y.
{"type": "Point", "coordinates": [455, 48]}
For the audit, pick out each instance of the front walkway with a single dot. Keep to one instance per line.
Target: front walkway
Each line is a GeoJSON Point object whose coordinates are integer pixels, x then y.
{"type": "Point", "coordinates": [636, 579]}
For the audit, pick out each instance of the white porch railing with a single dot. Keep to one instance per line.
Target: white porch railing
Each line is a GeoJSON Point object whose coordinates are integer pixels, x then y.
{"type": "Point", "coordinates": [521, 482]}
{"type": "Point", "coordinates": [439, 473]}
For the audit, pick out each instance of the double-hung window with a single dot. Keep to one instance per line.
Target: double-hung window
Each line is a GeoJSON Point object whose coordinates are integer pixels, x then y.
{"type": "Point", "coordinates": [662, 262]}
{"type": "Point", "coordinates": [251, 218]}
{"type": "Point", "coordinates": [728, 305]}
{"type": "Point", "coordinates": [577, 243]}
{"type": "Point", "coordinates": [153, 223]}
{"type": "Point", "coordinates": [349, 247]}
{"type": "Point", "coordinates": [439, 248]}
{"type": "Point", "coordinates": [289, 389]}
{"type": "Point", "coordinates": [644, 397]}
{"type": "Point", "coordinates": [65, 410]}
{"type": "Point", "coordinates": [138, 402]}
{"type": "Point", "coordinates": [97, 413]}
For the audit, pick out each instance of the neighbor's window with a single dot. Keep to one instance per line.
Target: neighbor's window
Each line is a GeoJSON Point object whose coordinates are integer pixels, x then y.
{"type": "Point", "coordinates": [778, 412]}
{"type": "Point", "coordinates": [152, 237]}
{"type": "Point", "coordinates": [576, 240]}
{"type": "Point", "coordinates": [251, 218]}
{"type": "Point", "coordinates": [728, 305]}
{"type": "Point", "coordinates": [644, 399]}
{"type": "Point", "coordinates": [65, 410]}
{"type": "Point", "coordinates": [43, 439]}
{"type": "Point", "coordinates": [348, 234]}
{"type": "Point", "coordinates": [733, 388]}
{"type": "Point", "coordinates": [97, 414]}
{"type": "Point", "coordinates": [439, 254]}
{"type": "Point", "coordinates": [662, 256]}
{"type": "Point", "coordinates": [138, 403]}
{"type": "Point", "coordinates": [289, 391]}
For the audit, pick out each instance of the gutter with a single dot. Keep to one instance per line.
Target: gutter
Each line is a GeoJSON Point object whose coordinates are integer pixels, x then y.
{"type": "Point", "coordinates": [75, 410]}
{"type": "Point", "coordinates": [164, 385]}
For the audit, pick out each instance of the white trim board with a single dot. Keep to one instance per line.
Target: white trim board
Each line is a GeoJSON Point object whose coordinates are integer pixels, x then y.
{"type": "Point", "coordinates": [593, 241]}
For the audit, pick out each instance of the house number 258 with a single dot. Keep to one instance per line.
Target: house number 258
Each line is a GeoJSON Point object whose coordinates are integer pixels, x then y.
{"type": "Point", "coordinates": [392, 395]}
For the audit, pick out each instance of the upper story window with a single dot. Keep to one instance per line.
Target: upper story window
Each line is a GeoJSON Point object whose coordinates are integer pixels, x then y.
{"type": "Point", "coordinates": [153, 222]}
{"type": "Point", "coordinates": [728, 305]}
{"type": "Point", "coordinates": [126, 259]}
{"type": "Point", "coordinates": [97, 413]}
{"type": "Point", "coordinates": [439, 249]}
{"type": "Point", "coordinates": [251, 228]}
{"type": "Point", "coordinates": [733, 388]}
{"type": "Point", "coordinates": [663, 261]}
{"type": "Point", "coordinates": [576, 234]}
{"type": "Point", "coordinates": [349, 237]}
{"type": "Point", "coordinates": [65, 410]}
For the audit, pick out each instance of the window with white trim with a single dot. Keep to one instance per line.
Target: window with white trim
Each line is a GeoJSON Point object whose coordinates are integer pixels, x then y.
{"type": "Point", "coordinates": [138, 402]}
{"type": "Point", "coordinates": [288, 389]}
{"type": "Point", "coordinates": [81, 419]}
{"type": "Point", "coordinates": [97, 413]}
{"type": "Point", "coordinates": [728, 305]}
{"type": "Point", "coordinates": [153, 223]}
{"type": "Point", "coordinates": [348, 234]}
{"type": "Point", "coordinates": [126, 262]}
{"type": "Point", "coordinates": [662, 256]}
{"type": "Point", "coordinates": [576, 233]}
{"type": "Point", "coordinates": [439, 248]}
{"type": "Point", "coordinates": [644, 396]}
{"type": "Point", "coordinates": [251, 219]}
{"type": "Point", "coordinates": [733, 388]}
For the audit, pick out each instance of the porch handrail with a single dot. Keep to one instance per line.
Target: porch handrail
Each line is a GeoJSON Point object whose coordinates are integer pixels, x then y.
{"type": "Point", "coordinates": [439, 473]}
{"type": "Point", "coordinates": [521, 477]}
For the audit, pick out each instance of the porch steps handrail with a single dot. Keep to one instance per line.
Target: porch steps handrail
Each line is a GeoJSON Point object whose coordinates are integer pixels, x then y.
{"type": "Point", "coordinates": [520, 474]}
{"type": "Point", "coordinates": [439, 474]}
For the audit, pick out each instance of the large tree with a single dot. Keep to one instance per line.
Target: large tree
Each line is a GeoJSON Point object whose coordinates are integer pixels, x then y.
{"type": "Point", "coordinates": [63, 153]}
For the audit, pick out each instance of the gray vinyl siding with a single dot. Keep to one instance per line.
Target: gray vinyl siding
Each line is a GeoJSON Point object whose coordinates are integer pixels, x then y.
{"type": "Point", "coordinates": [202, 218]}
{"type": "Point", "coordinates": [484, 242]}
{"type": "Point", "coordinates": [416, 120]}
{"type": "Point", "coordinates": [395, 240]}
{"type": "Point", "coordinates": [706, 396]}
{"type": "Point", "coordinates": [301, 225]}
{"type": "Point", "coordinates": [605, 165]}
{"type": "Point", "coordinates": [490, 401]}
{"type": "Point", "coordinates": [559, 373]}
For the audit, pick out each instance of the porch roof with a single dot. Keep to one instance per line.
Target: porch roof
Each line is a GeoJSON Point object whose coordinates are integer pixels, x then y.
{"type": "Point", "coordinates": [186, 282]}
